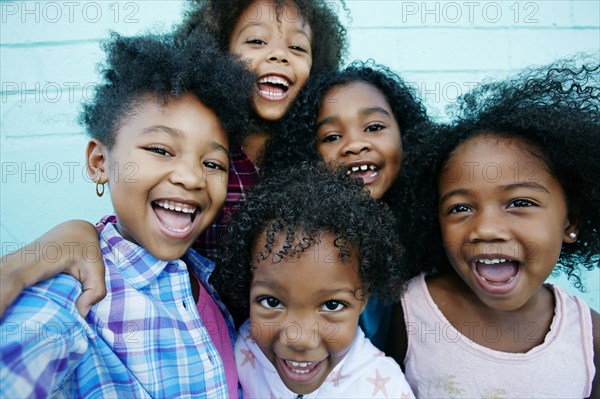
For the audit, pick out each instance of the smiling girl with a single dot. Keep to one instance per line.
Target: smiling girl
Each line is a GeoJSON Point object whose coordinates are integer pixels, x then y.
{"type": "Point", "coordinates": [507, 194]}
{"type": "Point", "coordinates": [306, 253]}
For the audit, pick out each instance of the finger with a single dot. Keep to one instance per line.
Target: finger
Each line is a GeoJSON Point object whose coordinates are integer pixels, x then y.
{"type": "Point", "coordinates": [94, 288]}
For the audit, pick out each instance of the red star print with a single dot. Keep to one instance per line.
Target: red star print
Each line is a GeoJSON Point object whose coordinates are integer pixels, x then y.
{"type": "Point", "coordinates": [379, 383]}
{"type": "Point", "coordinates": [248, 357]}
{"type": "Point", "coordinates": [335, 377]}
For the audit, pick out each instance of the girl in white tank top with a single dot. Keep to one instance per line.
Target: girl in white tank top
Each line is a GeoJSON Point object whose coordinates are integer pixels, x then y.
{"type": "Point", "coordinates": [507, 194]}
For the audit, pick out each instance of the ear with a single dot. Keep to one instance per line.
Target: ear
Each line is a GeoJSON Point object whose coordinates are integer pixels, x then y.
{"type": "Point", "coordinates": [571, 229]}
{"type": "Point", "coordinates": [97, 161]}
{"type": "Point", "coordinates": [364, 302]}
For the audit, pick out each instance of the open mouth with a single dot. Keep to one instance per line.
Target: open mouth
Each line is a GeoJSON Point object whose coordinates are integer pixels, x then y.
{"type": "Point", "coordinates": [273, 87]}
{"type": "Point", "coordinates": [367, 172]}
{"type": "Point", "coordinates": [300, 367]}
{"type": "Point", "coordinates": [175, 216]}
{"type": "Point", "coordinates": [300, 372]}
{"type": "Point", "coordinates": [496, 275]}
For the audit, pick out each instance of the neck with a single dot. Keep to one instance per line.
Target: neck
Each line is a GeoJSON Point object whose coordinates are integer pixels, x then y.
{"type": "Point", "coordinates": [254, 146]}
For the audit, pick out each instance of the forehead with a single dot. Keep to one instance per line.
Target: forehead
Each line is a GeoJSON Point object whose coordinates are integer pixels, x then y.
{"type": "Point", "coordinates": [271, 12]}
{"type": "Point", "coordinates": [187, 114]}
{"type": "Point", "coordinates": [353, 95]}
{"type": "Point", "coordinates": [320, 246]}
{"type": "Point", "coordinates": [494, 159]}
{"type": "Point", "coordinates": [317, 266]}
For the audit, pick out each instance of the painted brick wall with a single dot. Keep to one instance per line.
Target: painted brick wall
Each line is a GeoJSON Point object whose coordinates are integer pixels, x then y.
{"type": "Point", "coordinates": [49, 49]}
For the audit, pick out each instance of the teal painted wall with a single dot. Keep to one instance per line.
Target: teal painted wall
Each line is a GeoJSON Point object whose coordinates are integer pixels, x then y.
{"type": "Point", "coordinates": [49, 49]}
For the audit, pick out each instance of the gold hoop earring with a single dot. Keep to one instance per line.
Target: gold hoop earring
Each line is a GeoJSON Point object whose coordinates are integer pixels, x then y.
{"type": "Point", "coordinates": [98, 185]}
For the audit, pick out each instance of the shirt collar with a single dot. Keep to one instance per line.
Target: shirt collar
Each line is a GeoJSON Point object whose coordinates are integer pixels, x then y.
{"type": "Point", "coordinates": [136, 264]}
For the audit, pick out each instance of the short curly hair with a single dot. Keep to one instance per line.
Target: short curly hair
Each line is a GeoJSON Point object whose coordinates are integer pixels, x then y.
{"type": "Point", "coordinates": [556, 110]}
{"type": "Point", "coordinates": [156, 65]}
{"type": "Point", "coordinates": [298, 204]}
{"type": "Point", "coordinates": [219, 17]}
{"type": "Point", "coordinates": [296, 139]}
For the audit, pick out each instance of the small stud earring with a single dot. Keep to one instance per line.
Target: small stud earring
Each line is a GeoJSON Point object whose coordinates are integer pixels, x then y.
{"type": "Point", "coordinates": [572, 235]}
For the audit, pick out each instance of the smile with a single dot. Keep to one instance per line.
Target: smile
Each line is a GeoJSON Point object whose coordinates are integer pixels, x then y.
{"type": "Point", "coordinates": [497, 275]}
{"type": "Point", "coordinates": [368, 172]}
{"type": "Point", "coordinates": [176, 217]}
{"type": "Point", "coordinates": [273, 87]}
{"type": "Point", "coordinates": [299, 371]}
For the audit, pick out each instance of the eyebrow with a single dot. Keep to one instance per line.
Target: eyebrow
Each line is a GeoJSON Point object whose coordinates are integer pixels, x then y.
{"type": "Point", "coordinates": [157, 129]}
{"type": "Point", "coordinates": [362, 112]}
{"type": "Point", "coordinates": [508, 187]}
{"type": "Point", "coordinates": [267, 24]}
{"type": "Point", "coordinates": [333, 291]}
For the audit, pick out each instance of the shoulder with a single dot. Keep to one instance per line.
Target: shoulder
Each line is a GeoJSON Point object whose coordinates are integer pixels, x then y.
{"type": "Point", "coordinates": [43, 336]}
{"type": "Point", "coordinates": [56, 295]}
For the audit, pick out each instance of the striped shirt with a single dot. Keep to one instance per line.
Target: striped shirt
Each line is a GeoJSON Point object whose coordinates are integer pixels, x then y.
{"type": "Point", "coordinates": [144, 339]}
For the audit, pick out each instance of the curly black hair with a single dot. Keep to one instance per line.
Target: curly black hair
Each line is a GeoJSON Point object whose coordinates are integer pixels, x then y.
{"type": "Point", "coordinates": [157, 65]}
{"type": "Point", "coordinates": [296, 206]}
{"type": "Point", "coordinates": [219, 17]}
{"type": "Point", "coordinates": [296, 139]}
{"type": "Point", "coordinates": [556, 110]}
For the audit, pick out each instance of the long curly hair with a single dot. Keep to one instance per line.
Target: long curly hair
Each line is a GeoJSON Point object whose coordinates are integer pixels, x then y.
{"type": "Point", "coordinates": [219, 17]}
{"type": "Point", "coordinates": [291, 209]}
{"type": "Point", "coordinates": [553, 108]}
{"type": "Point", "coordinates": [296, 140]}
{"type": "Point", "coordinates": [157, 65]}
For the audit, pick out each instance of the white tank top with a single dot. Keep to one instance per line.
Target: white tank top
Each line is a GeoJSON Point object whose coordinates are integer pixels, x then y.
{"type": "Point", "coordinates": [442, 363]}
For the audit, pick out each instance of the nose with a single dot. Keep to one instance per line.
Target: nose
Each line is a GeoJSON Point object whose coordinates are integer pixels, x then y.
{"type": "Point", "coordinates": [188, 173]}
{"type": "Point", "coordinates": [489, 224]}
{"type": "Point", "coordinates": [300, 335]}
{"type": "Point", "coordinates": [355, 144]}
{"type": "Point", "coordinates": [278, 51]}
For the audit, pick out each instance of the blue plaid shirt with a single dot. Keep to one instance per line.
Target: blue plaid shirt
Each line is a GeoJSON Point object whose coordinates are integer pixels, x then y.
{"type": "Point", "coordinates": [144, 339]}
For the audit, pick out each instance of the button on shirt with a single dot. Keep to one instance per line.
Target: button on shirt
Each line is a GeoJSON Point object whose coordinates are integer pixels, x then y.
{"type": "Point", "coordinates": [144, 339]}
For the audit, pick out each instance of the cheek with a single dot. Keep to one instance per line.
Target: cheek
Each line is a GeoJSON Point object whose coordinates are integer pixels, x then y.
{"type": "Point", "coordinates": [328, 153]}
{"type": "Point", "coordinates": [339, 337]}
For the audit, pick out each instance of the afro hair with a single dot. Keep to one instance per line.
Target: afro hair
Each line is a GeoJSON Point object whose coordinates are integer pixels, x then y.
{"type": "Point", "coordinates": [159, 66]}
{"type": "Point", "coordinates": [556, 110]}
{"type": "Point", "coordinates": [296, 140]}
{"type": "Point", "coordinates": [291, 209]}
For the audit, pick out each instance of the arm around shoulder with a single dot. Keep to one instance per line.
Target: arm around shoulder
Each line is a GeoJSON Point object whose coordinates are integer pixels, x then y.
{"type": "Point", "coordinates": [42, 343]}
{"type": "Point", "coordinates": [71, 247]}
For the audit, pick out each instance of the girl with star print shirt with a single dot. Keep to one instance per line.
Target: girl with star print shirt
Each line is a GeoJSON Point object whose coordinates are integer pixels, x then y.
{"type": "Point", "coordinates": [306, 268]}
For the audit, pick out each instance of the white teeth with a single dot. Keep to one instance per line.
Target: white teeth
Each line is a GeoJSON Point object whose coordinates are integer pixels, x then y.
{"type": "Point", "coordinates": [276, 80]}
{"type": "Point", "coordinates": [300, 364]}
{"type": "Point", "coordinates": [491, 261]}
{"type": "Point", "coordinates": [176, 206]}
{"type": "Point", "coordinates": [364, 167]}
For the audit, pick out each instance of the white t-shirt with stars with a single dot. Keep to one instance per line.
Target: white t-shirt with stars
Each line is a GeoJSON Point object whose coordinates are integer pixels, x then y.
{"type": "Point", "coordinates": [365, 372]}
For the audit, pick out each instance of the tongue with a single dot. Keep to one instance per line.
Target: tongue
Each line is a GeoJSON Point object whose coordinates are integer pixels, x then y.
{"type": "Point", "coordinates": [363, 174]}
{"type": "Point", "coordinates": [499, 272]}
{"type": "Point", "coordinates": [173, 219]}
